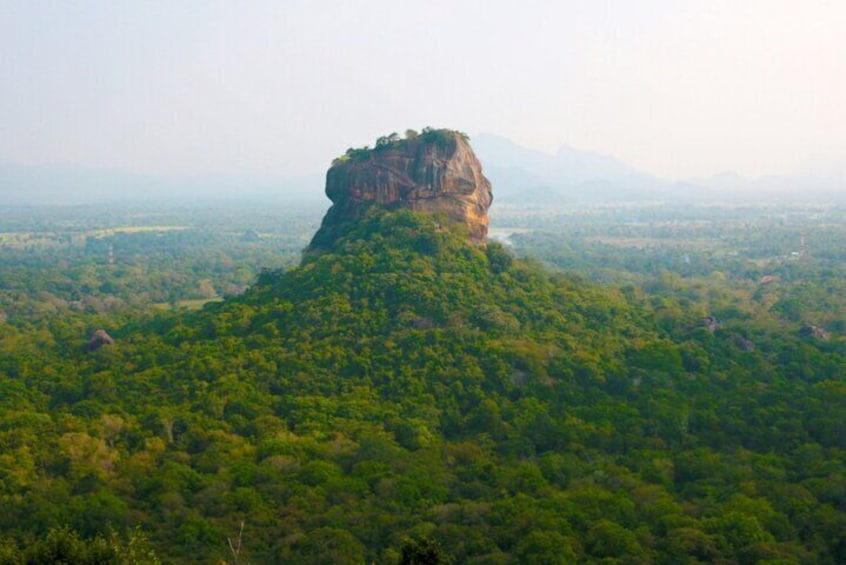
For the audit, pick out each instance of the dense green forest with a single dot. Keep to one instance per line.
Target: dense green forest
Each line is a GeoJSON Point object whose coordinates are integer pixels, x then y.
{"type": "Point", "coordinates": [410, 395]}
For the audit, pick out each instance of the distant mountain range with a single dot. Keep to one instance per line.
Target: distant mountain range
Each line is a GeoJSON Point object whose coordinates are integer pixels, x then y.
{"type": "Point", "coordinates": [524, 175]}
{"type": "Point", "coordinates": [518, 175]}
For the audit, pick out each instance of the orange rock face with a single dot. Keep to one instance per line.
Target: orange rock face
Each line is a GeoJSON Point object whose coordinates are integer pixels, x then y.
{"type": "Point", "coordinates": [435, 172]}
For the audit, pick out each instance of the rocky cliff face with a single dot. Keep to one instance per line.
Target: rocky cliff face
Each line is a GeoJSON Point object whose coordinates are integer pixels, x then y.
{"type": "Point", "coordinates": [434, 172]}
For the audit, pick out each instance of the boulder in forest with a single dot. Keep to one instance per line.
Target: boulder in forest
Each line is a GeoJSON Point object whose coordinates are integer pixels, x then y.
{"type": "Point", "coordinates": [743, 343]}
{"type": "Point", "coordinates": [815, 332]}
{"type": "Point", "coordinates": [98, 339]}
{"type": "Point", "coordinates": [711, 323]}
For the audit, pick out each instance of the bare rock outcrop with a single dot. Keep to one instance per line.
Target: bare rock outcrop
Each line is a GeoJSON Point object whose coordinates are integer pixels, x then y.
{"type": "Point", "coordinates": [433, 172]}
{"type": "Point", "coordinates": [711, 323]}
{"type": "Point", "coordinates": [98, 339]}
{"type": "Point", "coordinates": [814, 332]}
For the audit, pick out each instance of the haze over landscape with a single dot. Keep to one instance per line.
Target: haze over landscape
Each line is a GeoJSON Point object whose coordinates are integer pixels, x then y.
{"type": "Point", "coordinates": [248, 94]}
{"type": "Point", "coordinates": [579, 296]}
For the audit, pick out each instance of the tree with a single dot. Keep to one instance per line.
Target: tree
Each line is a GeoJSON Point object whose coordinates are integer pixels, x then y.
{"type": "Point", "coordinates": [326, 545]}
{"type": "Point", "coordinates": [545, 548]}
{"type": "Point", "coordinates": [424, 551]}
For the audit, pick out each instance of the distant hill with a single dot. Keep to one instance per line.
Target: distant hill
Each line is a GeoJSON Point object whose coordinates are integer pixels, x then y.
{"type": "Point", "coordinates": [521, 174]}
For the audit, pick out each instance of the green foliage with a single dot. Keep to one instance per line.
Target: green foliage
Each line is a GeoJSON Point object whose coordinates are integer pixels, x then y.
{"type": "Point", "coordinates": [424, 551]}
{"type": "Point", "coordinates": [443, 138]}
{"type": "Point", "coordinates": [545, 547]}
{"type": "Point", "coordinates": [61, 545]}
{"type": "Point", "coordinates": [325, 545]}
{"type": "Point", "coordinates": [408, 386]}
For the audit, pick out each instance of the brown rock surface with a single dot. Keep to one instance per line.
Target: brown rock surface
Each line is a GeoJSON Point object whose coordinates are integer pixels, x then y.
{"type": "Point", "coordinates": [434, 172]}
{"type": "Point", "coordinates": [98, 339]}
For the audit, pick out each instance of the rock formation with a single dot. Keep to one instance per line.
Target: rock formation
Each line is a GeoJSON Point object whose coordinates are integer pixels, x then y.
{"type": "Point", "coordinates": [743, 343]}
{"type": "Point", "coordinates": [814, 331]}
{"type": "Point", "coordinates": [98, 339]}
{"type": "Point", "coordinates": [434, 172]}
{"type": "Point", "coordinates": [711, 323]}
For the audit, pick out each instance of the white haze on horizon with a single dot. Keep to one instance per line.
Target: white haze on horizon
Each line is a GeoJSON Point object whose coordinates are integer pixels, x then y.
{"type": "Point", "coordinates": [675, 88]}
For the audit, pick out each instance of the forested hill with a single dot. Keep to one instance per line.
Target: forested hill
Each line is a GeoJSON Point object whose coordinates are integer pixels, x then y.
{"type": "Point", "coordinates": [409, 394]}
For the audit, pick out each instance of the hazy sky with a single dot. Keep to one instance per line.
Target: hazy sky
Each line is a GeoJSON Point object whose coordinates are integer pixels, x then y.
{"type": "Point", "coordinates": [677, 88]}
